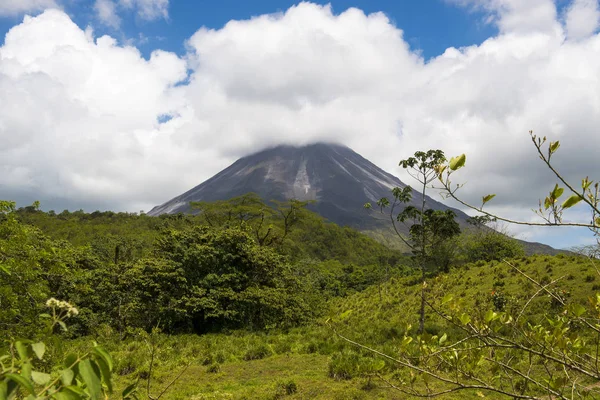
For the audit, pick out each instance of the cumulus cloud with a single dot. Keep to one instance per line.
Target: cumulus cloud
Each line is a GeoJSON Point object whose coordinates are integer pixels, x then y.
{"type": "Point", "coordinates": [582, 19]}
{"type": "Point", "coordinates": [15, 7]}
{"type": "Point", "coordinates": [148, 10]}
{"type": "Point", "coordinates": [107, 13]}
{"type": "Point", "coordinates": [79, 117]}
{"type": "Point", "coordinates": [93, 122]}
{"type": "Point", "coordinates": [517, 15]}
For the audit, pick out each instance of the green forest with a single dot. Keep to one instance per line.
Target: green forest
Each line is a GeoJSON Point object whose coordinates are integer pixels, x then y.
{"type": "Point", "coordinates": [242, 287]}
{"type": "Point", "coordinates": [245, 299]}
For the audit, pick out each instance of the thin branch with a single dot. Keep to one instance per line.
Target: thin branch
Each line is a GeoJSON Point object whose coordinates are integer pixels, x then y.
{"type": "Point", "coordinates": [543, 288]}
{"type": "Point", "coordinates": [459, 385]}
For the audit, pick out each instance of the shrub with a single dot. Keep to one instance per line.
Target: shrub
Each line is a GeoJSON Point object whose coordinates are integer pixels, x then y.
{"type": "Point", "coordinates": [489, 246]}
{"type": "Point", "coordinates": [213, 368]}
{"type": "Point", "coordinates": [344, 365]}
{"type": "Point", "coordinates": [258, 352]}
{"type": "Point", "coordinates": [285, 388]}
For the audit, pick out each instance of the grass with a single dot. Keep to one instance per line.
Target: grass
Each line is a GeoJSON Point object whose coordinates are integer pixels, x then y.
{"type": "Point", "coordinates": [308, 362]}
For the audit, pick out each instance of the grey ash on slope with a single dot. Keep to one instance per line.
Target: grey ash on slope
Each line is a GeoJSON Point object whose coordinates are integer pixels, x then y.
{"type": "Point", "coordinates": [338, 179]}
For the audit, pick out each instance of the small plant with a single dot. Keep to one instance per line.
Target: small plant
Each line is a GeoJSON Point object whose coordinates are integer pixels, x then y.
{"type": "Point", "coordinates": [558, 298]}
{"type": "Point", "coordinates": [79, 377]}
{"type": "Point", "coordinates": [258, 352]}
{"type": "Point", "coordinates": [285, 388]}
{"type": "Point", "coordinates": [213, 368]}
{"type": "Point", "coordinates": [344, 365]}
{"type": "Point", "coordinates": [499, 300]}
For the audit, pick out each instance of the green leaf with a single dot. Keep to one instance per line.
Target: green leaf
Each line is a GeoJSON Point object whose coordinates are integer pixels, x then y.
{"type": "Point", "coordinates": [554, 146]}
{"type": "Point", "coordinates": [104, 355]}
{"type": "Point", "coordinates": [70, 393]}
{"type": "Point", "coordinates": [345, 315]}
{"type": "Point", "coordinates": [90, 373]}
{"type": "Point", "coordinates": [490, 316]}
{"type": "Point", "coordinates": [40, 378]}
{"type": "Point", "coordinates": [24, 383]}
{"type": "Point", "coordinates": [464, 319]}
{"type": "Point", "coordinates": [77, 390]}
{"type": "Point", "coordinates": [586, 183]}
{"type": "Point", "coordinates": [556, 192]}
{"type": "Point", "coordinates": [378, 365]}
{"type": "Point", "coordinates": [4, 269]}
{"type": "Point", "coordinates": [447, 298]}
{"type": "Point", "coordinates": [3, 390]}
{"type": "Point", "coordinates": [443, 339]}
{"type": "Point", "coordinates": [62, 325]}
{"type": "Point", "coordinates": [578, 310]}
{"type": "Point", "coordinates": [66, 394]}
{"type": "Point", "coordinates": [597, 221]}
{"type": "Point", "coordinates": [26, 369]}
{"type": "Point", "coordinates": [22, 350]}
{"type": "Point", "coordinates": [129, 390]}
{"type": "Point", "coordinates": [39, 349]}
{"type": "Point", "coordinates": [70, 360]}
{"type": "Point", "coordinates": [66, 376]}
{"type": "Point", "coordinates": [457, 162]}
{"type": "Point", "coordinates": [488, 198]}
{"type": "Point", "coordinates": [571, 201]}
{"type": "Point", "coordinates": [106, 374]}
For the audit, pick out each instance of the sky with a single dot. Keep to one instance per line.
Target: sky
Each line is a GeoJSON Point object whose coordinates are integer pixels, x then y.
{"type": "Point", "coordinates": [124, 104]}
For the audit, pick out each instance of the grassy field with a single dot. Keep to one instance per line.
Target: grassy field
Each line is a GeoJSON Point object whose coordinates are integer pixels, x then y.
{"type": "Point", "coordinates": [312, 362]}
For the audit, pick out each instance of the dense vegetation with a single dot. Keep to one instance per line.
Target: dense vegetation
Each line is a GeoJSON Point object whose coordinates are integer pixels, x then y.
{"type": "Point", "coordinates": [275, 271]}
{"type": "Point", "coordinates": [255, 300]}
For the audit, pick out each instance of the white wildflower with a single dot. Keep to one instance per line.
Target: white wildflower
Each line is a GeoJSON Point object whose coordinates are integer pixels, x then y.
{"type": "Point", "coordinates": [72, 312]}
{"type": "Point", "coordinates": [52, 302]}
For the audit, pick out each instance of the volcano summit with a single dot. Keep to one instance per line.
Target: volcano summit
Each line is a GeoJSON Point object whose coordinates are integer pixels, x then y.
{"type": "Point", "coordinates": [338, 179]}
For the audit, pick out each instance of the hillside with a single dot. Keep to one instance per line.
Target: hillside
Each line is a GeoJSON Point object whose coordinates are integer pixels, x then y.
{"type": "Point", "coordinates": [238, 317]}
{"type": "Point", "coordinates": [254, 365]}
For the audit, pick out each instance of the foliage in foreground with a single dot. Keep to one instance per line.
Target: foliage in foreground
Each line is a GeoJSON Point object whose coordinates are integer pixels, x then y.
{"type": "Point", "coordinates": [501, 350]}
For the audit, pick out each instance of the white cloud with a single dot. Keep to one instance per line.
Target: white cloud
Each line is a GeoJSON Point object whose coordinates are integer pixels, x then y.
{"type": "Point", "coordinates": [517, 15]}
{"type": "Point", "coordinates": [106, 11]}
{"type": "Point", "coordinates": [15, 7]}
{"type": "Point", "coordinates": [82, 116]}
{"type": "Point", "coordinates": [79, 117]}
{"type": "Point", "coordinates": [148, 10]}
{"type": "Point", "coordinates": [582, 18]}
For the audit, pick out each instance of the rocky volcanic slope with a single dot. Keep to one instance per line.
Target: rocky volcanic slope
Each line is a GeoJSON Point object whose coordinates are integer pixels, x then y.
{"type": "Point", "coordinates": [337, 178]}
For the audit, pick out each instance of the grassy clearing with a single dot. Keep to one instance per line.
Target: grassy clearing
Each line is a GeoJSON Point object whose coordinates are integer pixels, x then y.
{"type": "Point", "coordinates": [311, 363]}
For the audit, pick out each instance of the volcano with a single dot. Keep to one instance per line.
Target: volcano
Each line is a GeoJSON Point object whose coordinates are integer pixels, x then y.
{"type": "Point", "coordinates": [337, 179]}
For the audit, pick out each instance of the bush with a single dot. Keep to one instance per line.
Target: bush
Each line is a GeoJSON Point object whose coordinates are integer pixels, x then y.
{"type": "Point", "coordinates": [344, 365]}
{"type": "Point", "coordinates": [489, 246]}
{"type": "Point", "coordinates": [285, 388]}
{"type": "Point", "coordinates": [213, 368]}
{"type": "Point", "coordinates": [258, 352]}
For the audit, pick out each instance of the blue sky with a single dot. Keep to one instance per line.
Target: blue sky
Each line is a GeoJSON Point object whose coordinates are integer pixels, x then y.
{"type": "Point", "coordinates": [430, 26]}
{"type": "Point", "coordinates": [135, 118]}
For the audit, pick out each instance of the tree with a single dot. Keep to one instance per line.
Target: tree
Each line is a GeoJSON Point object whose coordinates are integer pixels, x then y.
{"type": "Point", "coordinates": [31, 266]}
{"type": "Point", "coordinates": [270, 225]}
{"type": "Point", "coordinates": [204, 279]}
{"type": "Point", "coordinates": [506, 352]}
{"type": "Point", "coordinates": [430, 228]}
{"type": "Point", "coordinates": [487, 244]}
